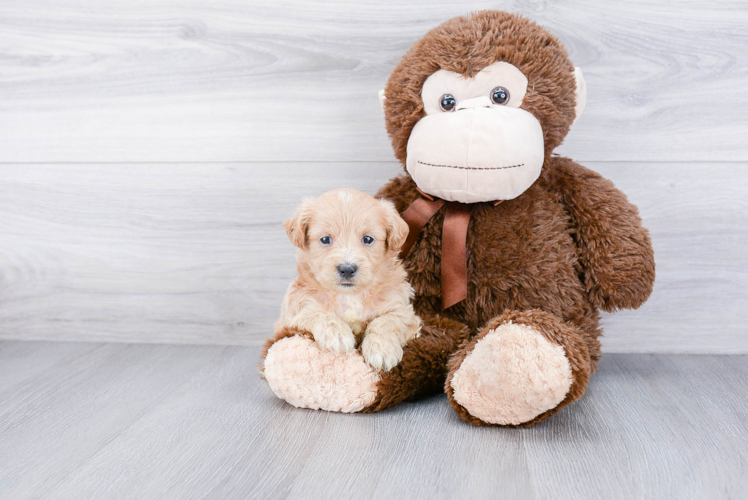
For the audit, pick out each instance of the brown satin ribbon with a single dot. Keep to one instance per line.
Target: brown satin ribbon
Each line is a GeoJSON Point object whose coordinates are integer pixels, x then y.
{"type": "Point", "coordinates": [454, 260]}
{"type": "Point", "coordinates": [417, 215]}
{"type": "Point", "coordinates": [454, 238]}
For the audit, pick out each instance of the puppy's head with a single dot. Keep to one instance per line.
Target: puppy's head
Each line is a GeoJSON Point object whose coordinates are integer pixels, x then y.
{"type": "Point", "coordinates": [347, 238]}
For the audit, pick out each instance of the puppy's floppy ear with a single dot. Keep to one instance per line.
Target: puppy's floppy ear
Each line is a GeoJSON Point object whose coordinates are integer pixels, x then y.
{"type": "Point", "coordinates": [397, 228]}
{"type": "Point", "coordinates": [298, 224]}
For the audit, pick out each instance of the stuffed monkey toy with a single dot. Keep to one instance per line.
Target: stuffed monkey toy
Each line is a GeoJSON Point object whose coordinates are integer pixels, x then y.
{"type": "Point", "coordinates": [512, 251]}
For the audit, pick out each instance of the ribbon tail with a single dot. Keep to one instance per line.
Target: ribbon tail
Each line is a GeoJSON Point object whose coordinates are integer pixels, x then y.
{"type": "Point", "coordinates": [454, 258]}
{"type": "Point", "coordinates": [416, 216]}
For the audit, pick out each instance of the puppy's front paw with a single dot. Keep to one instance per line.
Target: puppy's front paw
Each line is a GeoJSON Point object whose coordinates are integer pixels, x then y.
{"type": "Point", "coordinates": [381, 352]}
{"type": "Point", "coordinates": [334, 335]}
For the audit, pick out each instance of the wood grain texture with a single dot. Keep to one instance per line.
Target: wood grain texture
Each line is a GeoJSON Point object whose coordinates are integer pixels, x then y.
{"type": "Point", "coordinates": [140, 421]}
{"type": "Point", "coordinates": [227, 80]}
{"type": "Point", "coordinates": [195, 253]}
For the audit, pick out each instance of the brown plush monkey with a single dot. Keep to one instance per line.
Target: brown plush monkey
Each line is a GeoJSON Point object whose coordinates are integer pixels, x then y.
{"type": "Point", "coordinates": [512, 250]}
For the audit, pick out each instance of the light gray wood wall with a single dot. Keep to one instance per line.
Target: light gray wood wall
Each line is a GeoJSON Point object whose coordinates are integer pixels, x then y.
{"type": "Point", "coordinates": [150, 150]}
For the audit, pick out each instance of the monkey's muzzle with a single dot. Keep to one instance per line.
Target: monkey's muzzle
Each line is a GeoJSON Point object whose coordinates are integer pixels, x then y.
{"type": "Point", "coordinates": [476, 154]}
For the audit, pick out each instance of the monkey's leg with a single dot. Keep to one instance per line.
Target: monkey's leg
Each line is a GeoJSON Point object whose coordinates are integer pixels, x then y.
{"type": "Point", "coordinates": [423, 369]}
{"type": "Point", "coordinates": [520, 369]}
{"type": "Point", "coordinates": [307, 376]}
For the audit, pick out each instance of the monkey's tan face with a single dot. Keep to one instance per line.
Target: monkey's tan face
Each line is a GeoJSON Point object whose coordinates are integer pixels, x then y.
{"type": "Point", "coordinates": [475, 143]}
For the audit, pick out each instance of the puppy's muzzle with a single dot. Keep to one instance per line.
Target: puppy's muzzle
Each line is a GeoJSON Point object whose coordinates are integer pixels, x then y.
{"type": "Point", "coordinates": [347, 271]}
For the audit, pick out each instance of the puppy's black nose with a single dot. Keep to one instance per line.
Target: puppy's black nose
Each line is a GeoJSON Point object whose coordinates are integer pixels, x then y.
{"type": "Point", "coordinates": [347, 271]}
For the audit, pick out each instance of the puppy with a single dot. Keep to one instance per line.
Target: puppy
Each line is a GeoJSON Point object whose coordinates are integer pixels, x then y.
{"type": "Point", "coordinates": [350, 281]}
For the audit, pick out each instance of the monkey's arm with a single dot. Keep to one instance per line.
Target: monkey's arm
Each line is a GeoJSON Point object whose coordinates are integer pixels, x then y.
{"type": "Point", "coordinates": [615, 251]}
{"type": "Point", "coordinates": [400, 190]}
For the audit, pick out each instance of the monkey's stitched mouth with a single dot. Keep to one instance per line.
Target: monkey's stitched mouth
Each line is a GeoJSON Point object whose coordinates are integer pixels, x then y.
{"type": "Point", "coordinates": [469, 168]}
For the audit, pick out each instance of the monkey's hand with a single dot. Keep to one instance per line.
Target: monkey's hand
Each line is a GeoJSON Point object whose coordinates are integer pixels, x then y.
{"type": "Point", "coordinates": [614, 249]}
{"type": "Point", "coordinates": [333, 334]}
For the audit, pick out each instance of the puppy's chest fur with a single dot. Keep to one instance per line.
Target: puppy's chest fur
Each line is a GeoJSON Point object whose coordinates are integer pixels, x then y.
{"type": "Point", "coordinates": [352, 310]}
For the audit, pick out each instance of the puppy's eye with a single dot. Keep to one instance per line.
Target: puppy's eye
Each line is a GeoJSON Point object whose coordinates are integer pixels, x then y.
{"type": "Point", "coordinates": [447, 102]}
{"type": "Point", "coordinates": [368, 240]}
{"type": "Point", "coordinates": [325, 240]}
{"type": "Point", "coordinates": [499, 95]}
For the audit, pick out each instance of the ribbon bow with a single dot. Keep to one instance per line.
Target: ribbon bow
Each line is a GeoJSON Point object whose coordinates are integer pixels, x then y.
{"type": "Point", "coordinates": [454, 239]}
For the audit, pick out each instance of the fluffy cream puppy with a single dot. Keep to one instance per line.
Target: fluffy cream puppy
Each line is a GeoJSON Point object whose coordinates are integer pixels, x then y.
{"type": "Point", "coordinates": [351, 286]}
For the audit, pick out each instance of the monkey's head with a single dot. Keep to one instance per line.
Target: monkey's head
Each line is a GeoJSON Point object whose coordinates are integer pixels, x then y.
{"type": "Point", "coordinates": [476, 106]}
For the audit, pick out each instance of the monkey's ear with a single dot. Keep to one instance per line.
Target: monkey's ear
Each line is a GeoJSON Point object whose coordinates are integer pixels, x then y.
{"type": "Point", "coordinates": [382, 98]}
{"type": "Point", "coordinates": [298, 224]}
{"type": "Point", "coordinates": [581, 94]}
{"type": "Point", "coordinates": [397, 228]}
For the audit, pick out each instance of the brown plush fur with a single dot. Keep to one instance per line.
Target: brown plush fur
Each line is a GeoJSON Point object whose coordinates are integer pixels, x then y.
{"type": "Point", "coordinates": [548, 259]}
{"type": "Point", "coordinates": [424, 365]}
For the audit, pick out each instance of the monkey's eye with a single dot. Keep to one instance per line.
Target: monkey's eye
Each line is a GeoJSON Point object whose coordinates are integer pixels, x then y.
{"type": "Point", "coordinates": [368, 240]}
{"type": "Point", "coordinates": [325, 240]}
{"type": "Point", "coordinates": [447, 102]}
{"type": "Point", "coordinates": [500, 95]}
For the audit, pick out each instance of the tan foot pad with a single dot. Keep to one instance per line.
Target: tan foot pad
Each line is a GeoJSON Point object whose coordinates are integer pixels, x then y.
{"type": "Point", "coordinates": [512, 375]}
{"type": "Point", "coordinates": [300, 372]}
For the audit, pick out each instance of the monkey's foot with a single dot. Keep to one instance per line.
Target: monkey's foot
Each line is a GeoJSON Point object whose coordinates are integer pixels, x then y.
{"type": "Point", "coordinates": [303, 374]}
{"type": "Point", "coordinates": [509, 375]}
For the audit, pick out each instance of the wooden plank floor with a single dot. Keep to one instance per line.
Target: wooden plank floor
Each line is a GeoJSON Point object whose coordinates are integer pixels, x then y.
{"type": "Point", "coordinates": [85, 420]}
